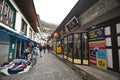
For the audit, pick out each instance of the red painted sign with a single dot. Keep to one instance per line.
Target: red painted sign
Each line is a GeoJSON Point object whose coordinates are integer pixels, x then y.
{"type": "Point", "coordinates": [93, 61]}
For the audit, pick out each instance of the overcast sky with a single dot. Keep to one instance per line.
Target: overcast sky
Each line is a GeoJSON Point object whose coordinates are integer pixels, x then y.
{"type": "Point", "coordinates": [53, 11]}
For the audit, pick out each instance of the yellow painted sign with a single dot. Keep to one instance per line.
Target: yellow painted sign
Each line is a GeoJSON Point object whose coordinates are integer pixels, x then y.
{"type": "Point", "coordinates": [101, 63]}
{"type": "Point", "coordinates": [59, 49]}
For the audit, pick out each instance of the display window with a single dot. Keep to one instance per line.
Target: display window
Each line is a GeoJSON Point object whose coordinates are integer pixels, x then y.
{"type": "Point", "coordinates": [70, 48]}
{"type": "Point", "coordinates": [75, 48]}
{"type": "Point", "coordinates": [65, 47]}
{"type": "Point", "coordinates": [59, 47]}
{"type": "Point", "coordinates": [84, 48]}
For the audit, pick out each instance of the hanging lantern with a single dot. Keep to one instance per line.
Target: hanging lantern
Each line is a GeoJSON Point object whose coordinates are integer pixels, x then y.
{"type": "Point", "coordinates": [56, 35]}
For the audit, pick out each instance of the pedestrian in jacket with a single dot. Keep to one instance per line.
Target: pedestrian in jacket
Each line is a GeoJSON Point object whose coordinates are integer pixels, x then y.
{"type": "Point", "coordinates": [34, 55]}
{"type": "Point", "coordinates": [40, 48]}
{"type": "Point", "coordinates": [48, 47]}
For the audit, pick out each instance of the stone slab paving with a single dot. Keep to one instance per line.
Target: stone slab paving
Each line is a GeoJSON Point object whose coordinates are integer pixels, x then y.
{"type": "Point", "coordinates": [47, 68]}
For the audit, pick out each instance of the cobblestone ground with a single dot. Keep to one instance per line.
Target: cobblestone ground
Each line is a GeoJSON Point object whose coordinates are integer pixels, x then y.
{"type": "Point", "coordinates": [47, 68]}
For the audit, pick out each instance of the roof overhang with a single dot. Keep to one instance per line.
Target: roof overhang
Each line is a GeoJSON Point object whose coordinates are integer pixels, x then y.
{"type": "Point", "coordinates": [77, 31]}
{"type": "Point", "coordinates": [28, 9]}
{"type": "Point", "coordinates": [77, 10]}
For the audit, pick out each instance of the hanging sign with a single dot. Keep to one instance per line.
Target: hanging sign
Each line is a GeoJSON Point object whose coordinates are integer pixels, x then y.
{"type": "Point", "coordinates": [72, 24]}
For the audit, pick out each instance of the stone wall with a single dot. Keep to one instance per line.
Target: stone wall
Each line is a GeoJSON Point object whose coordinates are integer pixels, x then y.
{"type": "Point", "coordinates": [100, 8]}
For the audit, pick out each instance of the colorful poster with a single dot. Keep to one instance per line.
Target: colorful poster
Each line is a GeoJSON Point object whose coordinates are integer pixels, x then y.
{"type": "Point", "coordinates": [96, 34]}
{"type": "Point", "coordinates": [97, 45]}
{"type": "Point", "coordinates": [101, 54]}
{"type": "Point", "coordinates": [92, 53]}
{"type": "Point", "coordinates": [101, 63]}
{"type": "Point", "coordinates": [93, 61]}
{"type": "Point", "coordinates": [97, 52]}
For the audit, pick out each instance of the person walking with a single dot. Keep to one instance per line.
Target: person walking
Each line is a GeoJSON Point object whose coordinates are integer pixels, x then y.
{"type": "Point", "coordinates": [48, 48]}
{"type": "Point", "coordinates": [34, 55]}
{"type": "Point", "coordinates": [40, 48]}
{"type": "Point", "coordinates": [44, 47]}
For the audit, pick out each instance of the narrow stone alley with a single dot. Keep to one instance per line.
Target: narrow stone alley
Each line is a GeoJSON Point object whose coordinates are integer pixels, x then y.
{"type": "Point", "coordinates": [48, 67]}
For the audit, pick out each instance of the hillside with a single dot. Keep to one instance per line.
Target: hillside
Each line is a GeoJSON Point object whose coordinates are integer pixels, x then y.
{"type": "Point", "coordinates": [48, 27]}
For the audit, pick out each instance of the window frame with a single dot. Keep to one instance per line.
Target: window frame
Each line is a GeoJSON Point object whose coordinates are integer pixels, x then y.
{"type": "Point", "coordinates": [23, 27]}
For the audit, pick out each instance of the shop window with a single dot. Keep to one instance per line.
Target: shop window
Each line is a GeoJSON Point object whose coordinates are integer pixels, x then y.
{"type": "Point", "coordinates": [65, 47]}
{"type": "Point", "coordinates": [107, 30]}
{"type": "Point", "coordinates": [54, 44]}
{"type": "Point", "coordinates": [118, 40]}
{"type": "Point", "coordinates": [59, 47]}
{"type": "Point", "coordinates": [109, 58]}
{"type": "Point", "coordinates": [108, 42]}
{"type": "Point", "coordinates": [70, 48]}
{"type": "Point", "coordinates": [84, 48]}
{"type": "Point", "coordinates": [23, 28]}
{"type": "Point", "coordinates": [62, 45]}
{"type": "Point", "coordinates": [119, 58]}
{"type": "Point", "coordinates": [1, 4]}
{"type": "Point", "coordinates": [58, 43]}
{"type": "Point", "coordinates": [77, 49]}
{"type": "Point", "coordinates": [118, 28]}
{"type": "Point", "coordinates": [77, 43]}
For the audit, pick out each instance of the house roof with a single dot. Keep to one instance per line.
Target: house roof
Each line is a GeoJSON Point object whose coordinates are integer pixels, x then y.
{"type": "Point", "coordinates": [77, 10]}
{"type": "Point", "coordinates": [28, 9]}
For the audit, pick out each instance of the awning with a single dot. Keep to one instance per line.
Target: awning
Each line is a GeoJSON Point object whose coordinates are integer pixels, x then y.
{"type": "Point", "coordinates": [13, 34]}
{"type": "Point", "coordinates": [77, 31]}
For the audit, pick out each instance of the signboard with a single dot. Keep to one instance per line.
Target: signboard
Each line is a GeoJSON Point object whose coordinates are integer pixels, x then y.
{"type": "Point", "coordinates": [96, 34]}
{"type": "Point", "coordinates": [59, 49]}
{"type": "Point", "coordinates": [97, 48]}
{"type": "Point", "coordinates": [72, 24]}
{"type": "Point", "coordinates": [101, 63]}
{"type": "Point", "coordinates": [93, 61]}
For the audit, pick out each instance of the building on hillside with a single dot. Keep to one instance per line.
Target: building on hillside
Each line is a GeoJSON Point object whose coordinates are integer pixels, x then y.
{"type": "Point", "coordinates": [90, 34]}
{"type": "Point", "coordinates": [18, 27]}
{"type": "Point", "coordinates": [40, 28]}
{"type": "Point", "coordinates": [42, 33]}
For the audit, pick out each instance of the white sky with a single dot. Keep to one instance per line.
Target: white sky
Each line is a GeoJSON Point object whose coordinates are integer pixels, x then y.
{"type": "Point", "coordinates": [53, 11]}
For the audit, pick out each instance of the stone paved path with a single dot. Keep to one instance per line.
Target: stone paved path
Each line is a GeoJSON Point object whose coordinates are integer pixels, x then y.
{"type": "Point", "coordinates": [47, 68]}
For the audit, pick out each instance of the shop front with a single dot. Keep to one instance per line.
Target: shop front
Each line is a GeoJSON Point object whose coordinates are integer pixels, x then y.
{"type": "Point", "coordinates": [72, 42]}
{"type": "Point", "coordinates": [75, 48]}
{"type": "Point", "coordinates": [97, 48]}
{"type": "Point", "coordinates": [112, 38]}
{"type": "Point", "coordinates": [104, 45]}
{"type": "Point", "coordinates": [101, 44]}
{"type": "Point", "coordinates": [10, 45]}
{"type": "Point", "coordinates": [4, 47]}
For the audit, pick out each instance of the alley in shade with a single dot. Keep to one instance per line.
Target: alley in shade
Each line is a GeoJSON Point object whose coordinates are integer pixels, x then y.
{"type": "Point", "coordinates": [48, 67]}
